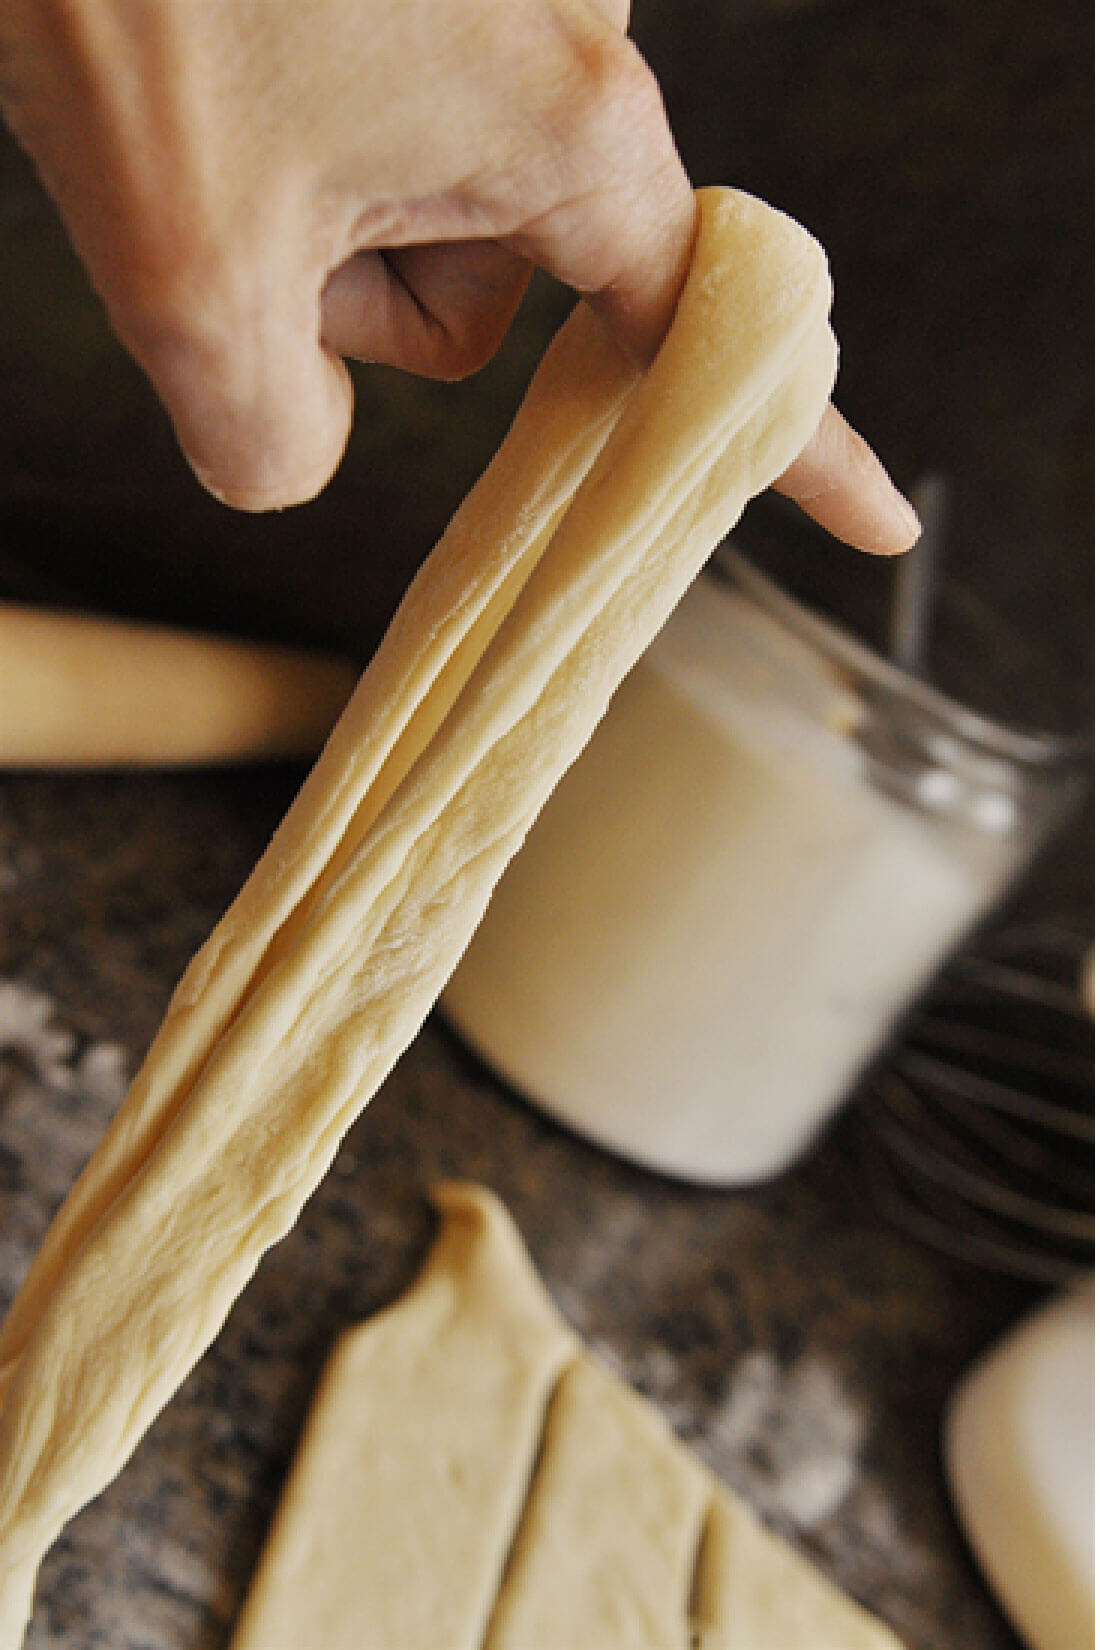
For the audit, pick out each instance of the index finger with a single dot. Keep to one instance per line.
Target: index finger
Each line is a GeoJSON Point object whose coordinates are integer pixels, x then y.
{"type": "Point", "coordinates": [627, 244]}
{"type": "Point", "coordinates": [838, 480]}
{"type": "Point", "coordinates": [617, 223]}
{"type": "Point", "coordinates": [842, 485]}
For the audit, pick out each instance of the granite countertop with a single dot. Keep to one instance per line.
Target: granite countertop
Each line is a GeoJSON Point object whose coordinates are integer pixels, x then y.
{"type": "Point", "coordinates": [790, 1334]}
{"type": "Point", "coordinates": [794, 1337]}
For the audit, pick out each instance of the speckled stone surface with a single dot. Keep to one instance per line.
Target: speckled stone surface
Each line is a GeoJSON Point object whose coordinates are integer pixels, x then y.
{"type": "Point", "coordinates": [792, 1336]}
{"type": "Point", "coordinates": [803, 1346]}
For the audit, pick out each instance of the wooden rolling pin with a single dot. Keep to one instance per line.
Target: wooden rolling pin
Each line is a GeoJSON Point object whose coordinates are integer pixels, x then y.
{"type": "Point", "coordinates": [82, 691]}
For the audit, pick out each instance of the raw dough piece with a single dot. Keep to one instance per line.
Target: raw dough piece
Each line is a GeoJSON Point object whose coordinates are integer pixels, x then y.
{"type": "Point", "coordinates": [626, 1542]}
{"type": "Point", "coordinates": [753, 1593]}
{"type": "Point", "coordinates": [83, 692]}
{"type": "Point", "coordinates": [600, 507]}
{"type": "Point", "coordinates": [604, 1554]}
{"type": "Point", "coordinates": [455, 1378]}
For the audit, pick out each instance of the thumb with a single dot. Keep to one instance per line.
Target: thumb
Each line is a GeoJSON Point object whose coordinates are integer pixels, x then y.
{"type": "Point", "coordinates": [261, 408]}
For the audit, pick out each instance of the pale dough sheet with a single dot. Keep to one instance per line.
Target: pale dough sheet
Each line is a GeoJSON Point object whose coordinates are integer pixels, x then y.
{"type": "Point", "coordinates": [612, 1537]}
{"type": "Point", "coordinates": [753, 1593]}
{"type": "Point", "coordinates": [604, 1552]}
{"type": "Point", "coordinates": [453, 1381]}
{"type": "Point", "coordinates": [600, 507]}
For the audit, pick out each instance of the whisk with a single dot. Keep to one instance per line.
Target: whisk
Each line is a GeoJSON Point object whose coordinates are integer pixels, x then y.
{"type": "Point", "coordinates": [977, 1131]}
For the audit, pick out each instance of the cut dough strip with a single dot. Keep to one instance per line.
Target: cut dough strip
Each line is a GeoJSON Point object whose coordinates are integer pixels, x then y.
{"type": "Point", "coordinates": [753, 1593]}
{"type": "Point", "coordinates": [599, 509]}
{"type": "Point", "coordinates": [392, 1527]}
{"type": "Point", "coordinates": [455, 1377]}
{"type": "Point", "coordinates": [604, 1554]}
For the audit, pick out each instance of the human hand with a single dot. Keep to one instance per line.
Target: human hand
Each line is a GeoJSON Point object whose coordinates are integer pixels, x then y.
{"type": "Point", "coordinates": [259, 189]}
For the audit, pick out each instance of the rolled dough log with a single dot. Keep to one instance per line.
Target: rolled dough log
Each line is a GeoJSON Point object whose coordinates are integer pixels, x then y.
{"type": "Point", "coordinates": [78, 691]}
{"type": "Point", "coordinates": [619, 1538]}
{"type": "Point", "coordinates": [600, 507]}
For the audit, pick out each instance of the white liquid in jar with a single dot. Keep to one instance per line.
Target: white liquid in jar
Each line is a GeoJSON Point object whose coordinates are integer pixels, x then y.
{"type": "Point", "coordinates": [717, 918]}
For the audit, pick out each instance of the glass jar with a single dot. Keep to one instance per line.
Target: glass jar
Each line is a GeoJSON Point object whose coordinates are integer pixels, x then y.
{"type": "Point", "coordinates": [770, 844]}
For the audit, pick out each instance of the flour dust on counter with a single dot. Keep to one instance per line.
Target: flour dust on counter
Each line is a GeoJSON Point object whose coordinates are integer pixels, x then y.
{"type": "Point", "coordinates": [58, 1091]}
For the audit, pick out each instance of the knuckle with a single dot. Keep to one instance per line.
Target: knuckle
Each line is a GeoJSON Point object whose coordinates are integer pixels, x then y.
{"type": "Point", "coordinates": [616, 92]}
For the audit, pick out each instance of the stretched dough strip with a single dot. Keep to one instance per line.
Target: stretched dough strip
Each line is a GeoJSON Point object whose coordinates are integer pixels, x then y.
{"type": "Point", "coordinates": [601, 506]}
{"type": "Point", "coordinates": [448, 613]}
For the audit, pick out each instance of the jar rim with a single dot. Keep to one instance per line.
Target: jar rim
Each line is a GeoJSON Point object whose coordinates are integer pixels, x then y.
{"type": "Point", "coordinates": [1020, 745]}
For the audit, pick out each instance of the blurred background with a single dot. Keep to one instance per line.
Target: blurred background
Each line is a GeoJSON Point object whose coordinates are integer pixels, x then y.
{"type": "Point", "coordinates": [942, 154]}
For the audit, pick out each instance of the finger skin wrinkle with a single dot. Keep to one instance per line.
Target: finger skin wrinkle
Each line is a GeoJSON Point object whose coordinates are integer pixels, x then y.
{"type": "Point", "coordinates": [456, 350]}
{"type": "Point", "coordinates": [386, 224]}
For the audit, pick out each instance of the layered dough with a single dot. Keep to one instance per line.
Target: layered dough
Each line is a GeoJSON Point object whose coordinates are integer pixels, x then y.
{"type": "Point", "coordinates": [600, 507]}
{"type": "Point", "coordinates": [470, 1478]}
{"type": "Point", "coordinates": [79, 691]}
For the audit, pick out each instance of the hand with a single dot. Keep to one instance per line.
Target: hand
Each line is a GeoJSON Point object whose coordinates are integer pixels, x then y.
{"type": "Point", "coordinates": [260, 187]}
